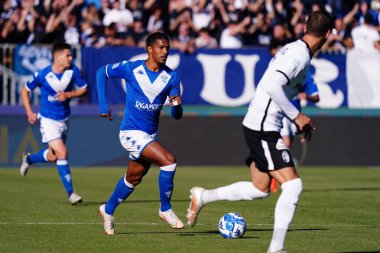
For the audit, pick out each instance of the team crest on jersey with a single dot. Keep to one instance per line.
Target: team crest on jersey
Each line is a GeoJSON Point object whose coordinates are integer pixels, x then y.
{"type": "Point", "coordinates": [285, 156]}
{"type": "Point", "coordinates": [164, 78]}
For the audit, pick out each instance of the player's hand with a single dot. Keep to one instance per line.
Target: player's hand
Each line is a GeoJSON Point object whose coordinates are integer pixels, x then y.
{"type": "Point", "coordinates": [307, 133]}
{"type": "Point", "coordinates": [107, 115]}
{"type": "Point", "coordinates": [32, 118]}
{"type": "Point", "coordinates": [175, 100]}
{"type": "Point", "coordinates": [62, 96]}
{"type": "Point", "coordinates": [304, 126]}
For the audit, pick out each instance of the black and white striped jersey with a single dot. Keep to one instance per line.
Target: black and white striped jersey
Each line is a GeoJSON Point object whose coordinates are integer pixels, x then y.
{"type": "Point", "coordinates": [284, 79]}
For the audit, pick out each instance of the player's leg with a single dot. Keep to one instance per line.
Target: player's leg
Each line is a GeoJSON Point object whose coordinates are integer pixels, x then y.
{"type": "Point", "coordinates": [59, 155]}
{"type": "Point", "coordinates": [291, 186]}
{"type": "Point", "coordinates": [29, 159]}
{"type": "Point", "coordinates": [42, 155]}
{"type": "Point", "coordinates": [160, 156]}
{"type": "Point", "coordinates": [124, 187]}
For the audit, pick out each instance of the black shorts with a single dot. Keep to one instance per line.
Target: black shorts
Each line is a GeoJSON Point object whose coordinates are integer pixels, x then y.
{"type": "Point", "coordinates": [267, 150]}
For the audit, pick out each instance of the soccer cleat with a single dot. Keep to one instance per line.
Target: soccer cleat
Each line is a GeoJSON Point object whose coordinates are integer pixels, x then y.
{"type": "Point", "coordinates": [24, 165]}
{"type": "Point", "coordinates": [171, 218]}
{"type": "Point", "coordinates": [195, 205]}
{"type": "Point", "coordinates": [108, 221]}
{"type": "Point", "coordinates": [75, 198]}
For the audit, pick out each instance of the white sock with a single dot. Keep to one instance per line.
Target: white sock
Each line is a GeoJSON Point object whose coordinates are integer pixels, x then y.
{"type": "Point", "coordinates": [233, 192]}
{"type": "Point", "coordinates": [284, 212]}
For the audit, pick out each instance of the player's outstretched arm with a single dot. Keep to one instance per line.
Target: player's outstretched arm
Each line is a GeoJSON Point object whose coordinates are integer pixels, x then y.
{"type": "Point", "coordinates": [32, 117]}
{"type": "Point", "coordinates": [101, 81]}
{"type": "Point", "coordinates": [177, 110]}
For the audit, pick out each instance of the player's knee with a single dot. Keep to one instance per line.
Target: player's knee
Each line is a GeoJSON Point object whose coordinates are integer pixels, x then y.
{"type": "Point", "coordinates": [169, 159]}
{"type": "Point", "coordinates": [134, 180]}
{"type": "Point", "coordinates": [292, 188]}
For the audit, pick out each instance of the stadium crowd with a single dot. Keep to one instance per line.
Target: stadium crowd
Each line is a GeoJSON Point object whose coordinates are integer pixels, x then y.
{"type": "Point", "coordinates": [190, 23]}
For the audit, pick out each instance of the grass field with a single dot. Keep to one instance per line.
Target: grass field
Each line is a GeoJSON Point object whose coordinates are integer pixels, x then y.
{"type": "Point", "coordinates": [338, 212]}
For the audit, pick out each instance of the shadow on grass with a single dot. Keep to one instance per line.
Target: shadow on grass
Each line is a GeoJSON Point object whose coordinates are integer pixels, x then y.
{"type": "Point", "coordinates": [214, 232]}
{"type": "Point", "coordinates": [96, 203]}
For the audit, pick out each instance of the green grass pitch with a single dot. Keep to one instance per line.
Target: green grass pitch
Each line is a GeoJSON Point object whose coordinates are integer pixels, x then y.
{"type": "Point", "coordinates": [339, 211]}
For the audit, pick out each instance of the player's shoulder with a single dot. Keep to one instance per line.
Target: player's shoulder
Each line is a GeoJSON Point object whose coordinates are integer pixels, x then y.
{"type": "Point", "coordinates": [43, 72]}
{"type": "Point", "coordinates": [170, 71]}
{"type": "Point", "coordinates": [298, 49]}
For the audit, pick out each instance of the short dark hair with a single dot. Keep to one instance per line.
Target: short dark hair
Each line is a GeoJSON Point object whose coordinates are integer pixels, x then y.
{"type": "Point", "coordinates": [319, 23]}
{"type": "Point", "coordinates": [156, 36]}
{"type": "Point", "coordinates": [368, 18]}
{"type": "Point", "coordinates": [59, 47]}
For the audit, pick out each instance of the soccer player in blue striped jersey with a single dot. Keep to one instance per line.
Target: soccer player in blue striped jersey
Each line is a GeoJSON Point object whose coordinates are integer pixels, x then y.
{"type": "Point", "coordinates": [58, 83]}
{"type": "Point", "coordinates": [149, 83]}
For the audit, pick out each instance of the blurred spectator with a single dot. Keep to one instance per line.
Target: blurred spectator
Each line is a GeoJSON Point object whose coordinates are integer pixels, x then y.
{"type": "Point", "coordinates": [155, 21]}
{"type": "Point", "coordinates": [232, 35]}
{"type": "Point", "coordinates": [204, 39]}
{"type": "Point", "coordinates": [121, 17]}
{"type": "Point", "coordinates": [184, 40]}
{"type": "Point", "coordinates": [280, 37]}
{"type": "Point", "coordinates": [114, 38]}
{"type": "Point", "coordinates": [90, 14]}
{"type": "Point", "coordinates": [90, 35]}
{"type": "Point", "coordinates": [335, 42]}
{"type": "Point", "coordinates": [366, 37]}
{"type": "Point", "coordinates": [138, 33]}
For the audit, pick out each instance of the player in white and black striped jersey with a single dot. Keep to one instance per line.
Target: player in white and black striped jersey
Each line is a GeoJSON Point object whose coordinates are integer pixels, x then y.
{"type": "Point", "coordinates": [269, 157]}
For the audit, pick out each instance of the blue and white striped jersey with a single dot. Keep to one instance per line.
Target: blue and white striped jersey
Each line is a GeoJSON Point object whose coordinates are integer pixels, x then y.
{"type": "Point", "coordinates": [50, 84]}
{"type": "Point", "coordinates": [146, 92]}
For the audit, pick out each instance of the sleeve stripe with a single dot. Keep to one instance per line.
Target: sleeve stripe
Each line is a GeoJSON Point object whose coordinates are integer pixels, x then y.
{"type": "Point", "coordinates": [107, 71]}
{"type": "Point", "coordinates": [287, 78]}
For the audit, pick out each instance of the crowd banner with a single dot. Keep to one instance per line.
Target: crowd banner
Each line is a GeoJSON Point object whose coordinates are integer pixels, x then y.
{"type": "Point", "coordinates": [226, 77]}
{"type": "Point", "coordinates": [218, 76]}
{"type": "Point", "coordinates": [363, 79]}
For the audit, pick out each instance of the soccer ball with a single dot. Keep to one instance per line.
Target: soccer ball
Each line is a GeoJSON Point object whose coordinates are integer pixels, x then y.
{"type": "Point", "coordinates": [232, 225]}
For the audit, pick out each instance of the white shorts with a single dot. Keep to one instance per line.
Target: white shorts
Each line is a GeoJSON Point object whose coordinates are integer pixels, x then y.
{"type": "Point", "coordinates": [53, 129]}
{"type": "Point", "coordinates": [288, 128]}
{"type": "Point", "coordinates": [134, 141]}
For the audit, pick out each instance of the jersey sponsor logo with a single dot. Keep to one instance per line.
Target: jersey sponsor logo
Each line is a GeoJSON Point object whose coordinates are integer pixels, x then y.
{"type": "Point", "coordinates": [148, 106]}
{"type": "Point", "coordinates": [280, 145]}
{"type": "Point", "coordinates": [140, 72]}
{"type": "Point", "coordinates": [52, 98]}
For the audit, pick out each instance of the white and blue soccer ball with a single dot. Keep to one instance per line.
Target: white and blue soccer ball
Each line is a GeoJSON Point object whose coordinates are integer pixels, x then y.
{"type": "Point", "coordinates": [232, 225]}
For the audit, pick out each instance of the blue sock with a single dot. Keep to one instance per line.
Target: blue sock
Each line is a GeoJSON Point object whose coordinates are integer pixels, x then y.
{"type": "Point", "coordinates": [38, 157]}
{"type": "Point", "coordinates": [166, 185]}
{"type": "Point", "coordinates": [122, 190]}
{"type": "Point", "coordinates": [65, 174]}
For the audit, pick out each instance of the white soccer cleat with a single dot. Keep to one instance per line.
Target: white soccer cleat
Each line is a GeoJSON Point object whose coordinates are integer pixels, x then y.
{"type": "Point", "coordinates": [24, 165]}
{"type": "Point", "coordinates": [75, 198]}
{"type": "Point", "coordinates": [171, 218]}
{"type": "Point", "coordinates": [195, 205]}
{"type": "Point", "coordinates": [108, 221]}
